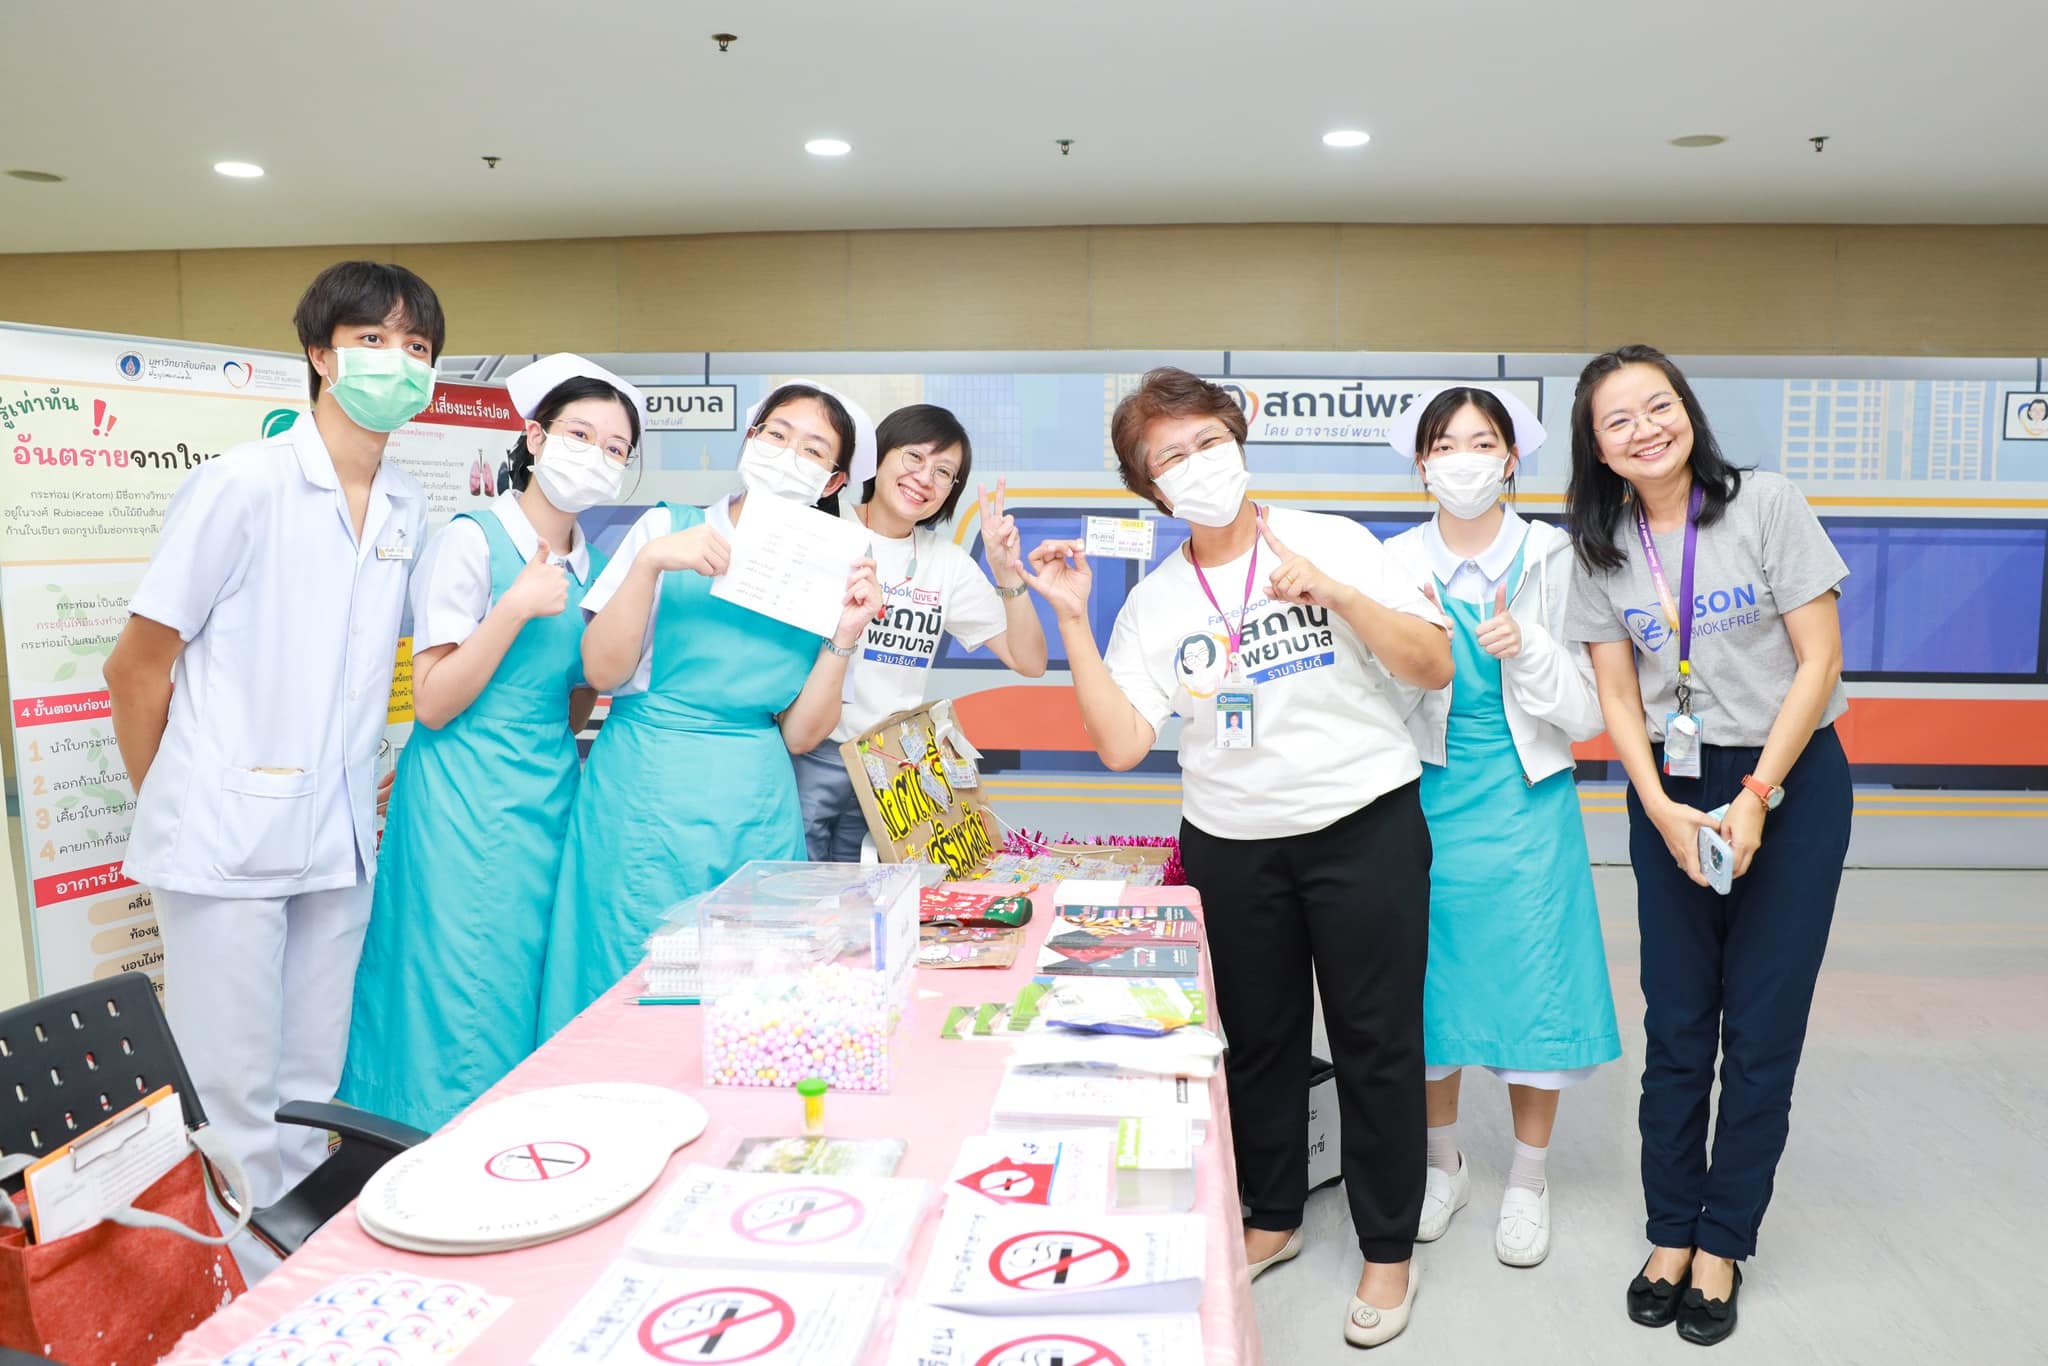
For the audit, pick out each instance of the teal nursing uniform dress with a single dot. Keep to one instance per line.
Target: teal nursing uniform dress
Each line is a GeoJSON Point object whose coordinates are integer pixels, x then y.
{"type": "Point", "coordinates": [1517, 975]}
{"type": "Point", "coordinates": [686, 782]}
{"type": "Point", "coordinates": [447, 999]}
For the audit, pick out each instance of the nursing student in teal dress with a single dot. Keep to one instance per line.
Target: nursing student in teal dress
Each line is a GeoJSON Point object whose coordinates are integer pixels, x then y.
{"type": "Point", "coordinates": [691, 776]}
{"type": "Point", "coordinates": [447, 999]}
{"type": "Point", "coordinates": [1517, 979]}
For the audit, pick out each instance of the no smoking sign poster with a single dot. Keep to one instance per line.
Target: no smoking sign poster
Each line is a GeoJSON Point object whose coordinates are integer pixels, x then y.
{"type": "Point", "coordinates": [1057, 1260]}
{"type": "Point", "coordinates": [681, 1316]}
{"type": "Point", "coordinates": [724, 1324]}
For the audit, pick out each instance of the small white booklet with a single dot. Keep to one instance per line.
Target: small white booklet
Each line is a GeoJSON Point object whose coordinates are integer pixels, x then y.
{"type": "Point", "coordinates": [1155, 1167]}
{"type": "Point", "coordinates": [1042, 1170]}
{"type": "Point", "coordinates": [657, 1316]}
{"type": "Point", "coordinates": [1036, 1099]}
{"type": "Point", "coordinates": [718, 1217]}
{"type": "Point", "coordinates": [790, 562]}
{"type": "Point", "coordinates": [1027, 1261]}
{"type": "Point", "coordinates": [939, 1337]}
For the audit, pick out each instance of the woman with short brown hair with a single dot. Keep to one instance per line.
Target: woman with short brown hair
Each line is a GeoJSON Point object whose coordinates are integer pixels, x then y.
{"type": "Point", "coordinates": [1276, 635]}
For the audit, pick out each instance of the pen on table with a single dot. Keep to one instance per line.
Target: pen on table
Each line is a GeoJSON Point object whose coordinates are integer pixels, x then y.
{"type": "Point", "coordinates": [668, 1000]}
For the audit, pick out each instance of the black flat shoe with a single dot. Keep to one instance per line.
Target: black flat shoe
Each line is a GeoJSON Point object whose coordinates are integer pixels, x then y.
{"type": "Point", "coordinates": [1705, 1322]}
{"type": "Point", "coordinates": [1655, 1303]}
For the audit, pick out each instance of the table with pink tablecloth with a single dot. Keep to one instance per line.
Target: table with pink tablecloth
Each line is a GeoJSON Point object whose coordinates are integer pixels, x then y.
{"type": "Point", "coordinates": [940, 1094]}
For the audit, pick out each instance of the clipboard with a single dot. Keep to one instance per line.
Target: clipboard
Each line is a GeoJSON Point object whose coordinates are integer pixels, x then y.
{"type": "Point", "coordinates": [104, 1169]}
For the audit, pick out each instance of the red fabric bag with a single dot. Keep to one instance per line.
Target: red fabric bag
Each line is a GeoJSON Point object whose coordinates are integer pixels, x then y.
{"type": "Point", "coordinates": [115, 1295]}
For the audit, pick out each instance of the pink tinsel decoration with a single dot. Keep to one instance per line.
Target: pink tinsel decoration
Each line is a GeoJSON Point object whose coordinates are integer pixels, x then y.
{"type": "Point", "coordinates": [1029, 842]}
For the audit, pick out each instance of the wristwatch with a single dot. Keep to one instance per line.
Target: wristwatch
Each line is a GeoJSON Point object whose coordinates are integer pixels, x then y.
{"type": "Point", "coordinates": [1017, 592]}
{"type": "Point", "coordinates": [846, 653]}
{"type": "Point", "coordinates": [1771, 797]}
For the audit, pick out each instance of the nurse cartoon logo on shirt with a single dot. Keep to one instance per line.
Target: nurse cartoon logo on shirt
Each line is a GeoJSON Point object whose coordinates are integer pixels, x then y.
{"type": "Point", "coordinates": [1200, 661]}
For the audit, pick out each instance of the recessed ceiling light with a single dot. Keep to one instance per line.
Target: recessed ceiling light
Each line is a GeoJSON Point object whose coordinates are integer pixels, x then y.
{"type": "Point", "coordinates": [37, 177]}
{"type": "Point", "coordinates": [240, 170]}
{"type": "Point", "coordinates": [827, 147]}
{"type": "Point", "coordinates": [1699, 140]}
{"type": "Point", "coordinates": [1346, 137]}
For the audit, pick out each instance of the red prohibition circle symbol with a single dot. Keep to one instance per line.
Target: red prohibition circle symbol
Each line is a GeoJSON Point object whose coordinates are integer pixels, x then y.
{"type": "Point", "coordinates": [1051, 1349]}
{"type": "Point", "coordinates": [726, 1324]}
{"type": "Point", "coordinates": [798, 1216]}
{"type": "Point", "coordinates": [547, 1160]}
{"type": "Point", "coordinates": [1057, 1259]}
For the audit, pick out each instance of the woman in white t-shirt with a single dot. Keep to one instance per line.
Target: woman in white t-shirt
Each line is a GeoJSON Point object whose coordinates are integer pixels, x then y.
{"type": "Point", "coordinates": [1301, 825]}
{"type": "Point", "coordinates": [929, 585]}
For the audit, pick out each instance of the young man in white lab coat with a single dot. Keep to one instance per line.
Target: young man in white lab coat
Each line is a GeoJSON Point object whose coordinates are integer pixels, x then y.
{"type": "Point", "coordinates": [250, 689]}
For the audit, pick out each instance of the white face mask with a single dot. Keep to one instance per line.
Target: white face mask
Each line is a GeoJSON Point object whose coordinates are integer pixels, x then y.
{"type": "Point", "coordinates": [1466, 484]}
{"type": "Point", "coordinates": [781, 473]}
{"type": "Point", "coordinates": [1208, 487]}
{"type": "Point", "coordinates": [576, 479]}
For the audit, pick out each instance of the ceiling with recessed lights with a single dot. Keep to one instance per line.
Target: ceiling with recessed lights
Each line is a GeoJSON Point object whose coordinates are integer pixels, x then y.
{"type": "Point", "coordinates": [372, 122]}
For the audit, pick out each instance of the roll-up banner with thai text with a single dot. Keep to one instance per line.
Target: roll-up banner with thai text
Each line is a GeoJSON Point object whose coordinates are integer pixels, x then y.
{"type": "Point", "coordinates": [96, 433]}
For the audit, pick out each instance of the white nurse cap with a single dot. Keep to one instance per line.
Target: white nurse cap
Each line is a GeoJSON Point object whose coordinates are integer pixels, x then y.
{"type": "Point", "coordinates": [863, 467]}
{"type": "Point", "coordinates": [1529, 433]}
{"type": "Point", "coordinates": [531, 386]}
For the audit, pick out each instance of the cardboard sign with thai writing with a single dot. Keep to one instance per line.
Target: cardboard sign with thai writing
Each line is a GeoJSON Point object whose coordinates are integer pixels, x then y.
{"type": "Point", "coordinates": [907, 773]}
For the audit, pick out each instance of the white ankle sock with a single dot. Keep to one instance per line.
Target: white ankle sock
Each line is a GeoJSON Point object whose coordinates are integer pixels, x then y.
{"type": "Point", "coordinates": [1527, 1171]}
{"type": "Point", "coordinates": [1443, 1148]}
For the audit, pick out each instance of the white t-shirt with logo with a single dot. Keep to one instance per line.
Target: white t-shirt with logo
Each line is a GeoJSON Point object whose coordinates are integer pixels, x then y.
{"type": "Point", "coordinates": [1328, 737]}
{"type": "Point", "coordinates": [929, 585]}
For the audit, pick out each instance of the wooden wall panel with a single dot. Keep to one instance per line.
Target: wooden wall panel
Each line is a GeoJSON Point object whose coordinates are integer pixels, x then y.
{"type": "Point", "coordinates": [995, 289]}
{"type": "Point", "coordinates": [1250, 286]}
{"type": "Point", "coordinates": [1457, 287]}
{"type": "Point", "coordinates": [246, 297]}
{"type": "Point", "coordinates": [1944, 291]}
{"type": "Point", "coordinates": [741, 292]}
{"type": "Point", "coordinates": [1721, 289]}
{"type": "Point", "coordinates": [523, 296]}
{"type": "Point", "coordinates": [1711, 289]}
{"type": "Point", "coordinates": [99, 291]}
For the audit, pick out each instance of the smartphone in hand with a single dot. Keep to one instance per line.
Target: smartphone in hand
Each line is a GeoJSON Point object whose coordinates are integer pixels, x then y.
{"type": "Point", "coordinates": [1717, 857]}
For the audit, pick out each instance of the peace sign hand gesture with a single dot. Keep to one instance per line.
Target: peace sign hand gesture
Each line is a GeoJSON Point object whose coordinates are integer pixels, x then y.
{"type": "Point", "coordinates": [999, 537]}
{"type": "Point", "coordinates": [1298, 580]}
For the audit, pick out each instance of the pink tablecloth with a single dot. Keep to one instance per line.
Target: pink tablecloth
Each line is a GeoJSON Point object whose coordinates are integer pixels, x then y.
{"type": "Point", "coordinates": [942, 1094]}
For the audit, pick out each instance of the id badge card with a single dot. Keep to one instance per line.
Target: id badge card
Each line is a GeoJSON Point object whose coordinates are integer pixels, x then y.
{"type": "Point", "coordinates": [1234, 712]}
{"type": "Point", "coordinates": [1681, 745]}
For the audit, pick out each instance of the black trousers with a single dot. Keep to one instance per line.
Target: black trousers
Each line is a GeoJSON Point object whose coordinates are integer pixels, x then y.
{"type": "Point", "coordinates": [1350, 901]}
{"type": "Point", "coordinates": [1733, 974]}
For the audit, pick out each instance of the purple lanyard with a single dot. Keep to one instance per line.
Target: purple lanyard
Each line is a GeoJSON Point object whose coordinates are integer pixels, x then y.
{"type": "Point", "coordinates": [1250, 574]}
{"type": "Point", "coordinates": [1679, 614]}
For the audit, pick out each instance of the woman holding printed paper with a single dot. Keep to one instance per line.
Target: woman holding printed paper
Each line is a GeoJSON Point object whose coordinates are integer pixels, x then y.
{"type": "Point", "coordinates": [928, 584]}
{"type": "Point", "coordinates": [1301, 824]}
{"type": "Point", "coordinates": [1517, 975]}
{"type": "Point", "coordinates": [1707, 595]}
{"type": "Point", "coordinates": [690, 776]}
{"type": "Point", "coordinates": [448, 996]}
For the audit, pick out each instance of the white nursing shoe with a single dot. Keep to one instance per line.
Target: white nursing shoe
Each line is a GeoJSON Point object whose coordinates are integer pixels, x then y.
{"type": "Point", "coordinates": [1368, 1325]}
{"type": "Point", "coordinates": [1523, 1237]}
{"type": "Point", "coordinates": [1287, 1253]}
{"type": "Point", "coordinates": [1443, 1194]}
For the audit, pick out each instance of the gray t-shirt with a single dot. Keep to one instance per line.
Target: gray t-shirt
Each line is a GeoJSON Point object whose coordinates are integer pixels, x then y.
{"type": "Point", "coordinates": [1766, 556]}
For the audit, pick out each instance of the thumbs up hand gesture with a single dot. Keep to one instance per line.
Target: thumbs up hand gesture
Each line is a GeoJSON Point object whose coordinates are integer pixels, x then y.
{"type": "Point", "coordinates": [1498, 635]}
{"type": "Point", "coordinates": [542, 589]}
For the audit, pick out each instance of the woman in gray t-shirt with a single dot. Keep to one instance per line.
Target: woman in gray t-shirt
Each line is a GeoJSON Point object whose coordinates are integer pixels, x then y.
{"type": "Point", "coordinates": [1706, 596]}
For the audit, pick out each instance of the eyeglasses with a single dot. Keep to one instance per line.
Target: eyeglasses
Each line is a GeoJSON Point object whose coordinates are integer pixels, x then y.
{"type": "Point", "coordinates": [1167, 456]}
{"type": "Point", "coordinates": [581, 439]}
{"type": "Point", "coordinates": [942, 476]}
{"type": "Point", "coordinates": [1622, 426]}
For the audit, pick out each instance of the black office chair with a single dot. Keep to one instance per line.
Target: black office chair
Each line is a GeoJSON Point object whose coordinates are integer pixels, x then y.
{"type": "Point", "coordinates": [71, 1059]}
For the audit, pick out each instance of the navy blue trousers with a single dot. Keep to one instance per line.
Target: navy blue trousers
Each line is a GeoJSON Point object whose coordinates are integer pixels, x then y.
{"type": "Point", "coordinates": [1732, 974]}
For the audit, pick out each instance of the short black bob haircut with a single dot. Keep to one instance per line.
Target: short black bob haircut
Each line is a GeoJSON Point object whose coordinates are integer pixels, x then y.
{"type": "Point", "coordinates": [1597, 496]}
{"type": "Point", "coordinates": [918, 425]}
{"type": "Point", "coordinates": [572, 390]}
{"type": "Point", "coordinates": [360, 293]}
